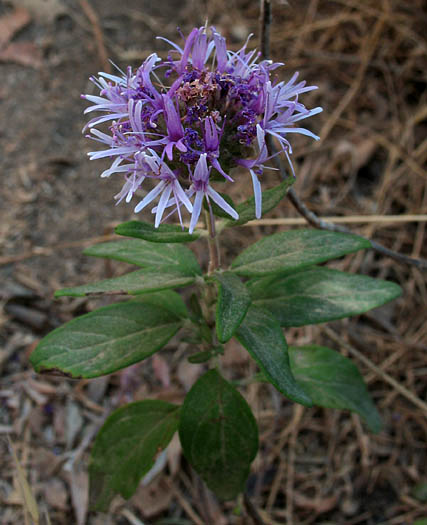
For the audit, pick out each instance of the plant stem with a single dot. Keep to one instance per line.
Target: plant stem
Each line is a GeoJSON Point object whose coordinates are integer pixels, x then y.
{"type": "Point", "coordinates": [214, 254]}
{"type": "Point", "coordinates": [265, 23]}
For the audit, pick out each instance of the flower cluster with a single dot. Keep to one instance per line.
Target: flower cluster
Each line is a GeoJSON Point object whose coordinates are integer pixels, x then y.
{"type": "Point", "coordinates": [188, 120]}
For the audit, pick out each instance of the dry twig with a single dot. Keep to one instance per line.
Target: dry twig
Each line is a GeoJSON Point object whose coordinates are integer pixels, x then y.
{"type": "Point", "coordinates": [97, 33]}
{"type": "Point", "coordinates": [380, 373]}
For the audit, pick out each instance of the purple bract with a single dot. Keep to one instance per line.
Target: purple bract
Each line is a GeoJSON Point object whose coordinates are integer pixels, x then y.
{"type": "Point", "coordinates": [188, 120]}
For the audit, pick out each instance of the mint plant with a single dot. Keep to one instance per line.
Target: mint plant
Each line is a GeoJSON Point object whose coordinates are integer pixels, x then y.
{"type": "Point", "coordinates": [186, 122]}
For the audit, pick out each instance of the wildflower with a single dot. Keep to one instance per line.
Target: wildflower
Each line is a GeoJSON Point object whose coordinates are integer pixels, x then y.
{"type": "Point", "coordinates": [187, 120]}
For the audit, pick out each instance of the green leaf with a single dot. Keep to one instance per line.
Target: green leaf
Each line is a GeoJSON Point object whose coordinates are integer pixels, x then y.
{"type": "Point", "coordinates": [200, 357]}
{"type": "Point", "coordinates": [126, 447]}
{"type": "Point", "coordinates": [233, 303]}
{"type": "Point", "coordinates": [317, 295]}
{"type": "Point", "coordinates": [296, 249]}
{"type": "Point", "coordinates": [167, 299]}
{"type": "Point", "coordinates": [333, 381]}
{"type": "Point", "coordinates": [139, 282]}
{"type": "Point", "coordinates": [270, 199]}
{"type": "Point", "coordinates": [164, 233]}
{"type": "Point", "coordinates": [195, 309]}
{"type": "Point", "coordinates": [146, 254]}
{"type": "Point", "coordinates": [105, 340]}
{"type": "Point", "coordinates": [262, 337]}
{"type": "Point", "coordinates": [419, 492]}
{"type": "Point", "coordinates": [218, 434]}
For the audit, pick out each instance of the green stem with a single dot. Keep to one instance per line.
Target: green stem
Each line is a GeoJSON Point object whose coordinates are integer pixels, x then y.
{"type": "Point", "coordinates": [214, 252]}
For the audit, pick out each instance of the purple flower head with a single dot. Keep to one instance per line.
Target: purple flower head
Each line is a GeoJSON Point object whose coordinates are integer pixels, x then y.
{"type": "Point", "coordinates": [191, 118]}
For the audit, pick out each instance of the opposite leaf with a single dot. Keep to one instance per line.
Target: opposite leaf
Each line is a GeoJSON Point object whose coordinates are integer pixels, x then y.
{"type": "Point", "coordinates": [318, 295]}
{"type": "Point", "coordinates": [164, 233]}
{"type": "Point", "coordinates": [218, 434]}
{"type": "Point", "coordinates": [296, 249]}
{"type": "Point", "coordinates": [262, 337]}
{"type": "Point", "coordinates": [142, 281]}
{"type": "Point", "coordinates": [270, 199]}
{"type": "Point", "coordinates": [146, 254]}
{"type": "Point", "coordinates": [233, 303]}
{"type": "Point", "coordinates": [105, 340]}
{"type": "Point", "coordinates": [126, 447]}
{"type": "Point", "coordinates": [333, 381]}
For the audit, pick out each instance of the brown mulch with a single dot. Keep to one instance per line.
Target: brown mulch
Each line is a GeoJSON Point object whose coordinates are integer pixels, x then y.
{"type": "Point", "coordinates": [314, 466]}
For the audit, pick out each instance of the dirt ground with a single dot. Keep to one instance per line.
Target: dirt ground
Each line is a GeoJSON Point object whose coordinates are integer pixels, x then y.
{"type": "Point", "coordinates": [314, 466]}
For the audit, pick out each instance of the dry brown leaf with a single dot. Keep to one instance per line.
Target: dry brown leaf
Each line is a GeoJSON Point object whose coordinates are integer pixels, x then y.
{"type": "Point", "coordinates": [188, 373]}
{"type": "Point", "coordinates": [43, 10]}
{"type": "Point", "coordinates": [78, 481]}
{"type": "Point", "coordinates": [11, 23]}
{"type": "Point", "coordinates": [73, 423]}
{"type": "Point", "coordinates": [46, 462]}
{"type": "Point", "coordinates": [174, 452]}
{"type": "Point", "coordinates": [23, 53]}
{"type": "Point", "coordinates": [161, 370]}
{"type": "Point", "coordinates": [152, 499]}
{"type": "Point", "coordinates": [55, 494]}
{"type": "Point", "coordinates": [235, 354]}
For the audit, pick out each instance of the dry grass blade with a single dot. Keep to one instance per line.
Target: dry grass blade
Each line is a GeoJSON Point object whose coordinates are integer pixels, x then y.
{"type": "Point", "coordinates": [386, 377]}
{"type": "Point", "coordinates": [28, 501]}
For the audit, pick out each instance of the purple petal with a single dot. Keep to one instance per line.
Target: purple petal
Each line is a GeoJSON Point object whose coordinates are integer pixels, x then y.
{"type": "Point", "coordinates": [150, 196]}
{"type": "Point", "coordinates": [257, 194]}
{"type": "Point", "coordinates": [162, 205]}
{"type": "Point", "coordinates": [201, 172]}
{"type": "Point", "coordinates": [197, 207]}
{"type": "Point", "coordinates": [216, 197]}
{"type": "Point", "coordinates": [181, 196]}
{"type": "Point", "coordinates": [169, 150]}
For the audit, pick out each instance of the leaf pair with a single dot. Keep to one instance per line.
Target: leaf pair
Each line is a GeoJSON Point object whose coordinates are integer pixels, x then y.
{"type": "Point", "coordinates": [217, 430]}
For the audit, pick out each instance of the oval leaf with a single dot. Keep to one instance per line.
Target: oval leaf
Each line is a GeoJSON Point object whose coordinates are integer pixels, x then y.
{"type": "Point", "coordinates": [318, 295]}
{"type": "Point", "coordinates": [233, 303]}
{"type": "Point", "coordinates": [146, 254]}
{"type": "Point", "coordinates": [105, 340]}
{"type": "Point", "coordinates": [333, 381]}
{"type": "Point", "coordinates": [164, 233]}
{"type": "Point", "coordinates": [218, 434]}
{"type": "Point", "coordinates": [270, 199]}
{"type": "Point", "coordinates": [296, 249]}
{"type": "Point", "coordinates": [167, 299]}
{"type": "Point", "coordinates": [126, 447]}
{"type": "Point", "coordinates": [262, 337]}
{"type": "Point", "coordinates": [142, 281]}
